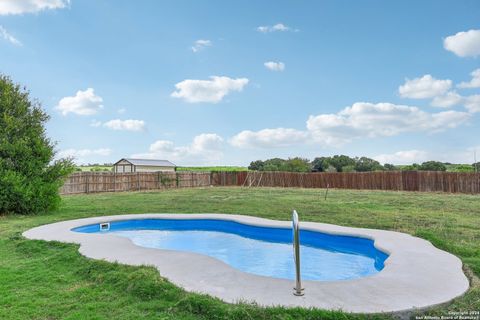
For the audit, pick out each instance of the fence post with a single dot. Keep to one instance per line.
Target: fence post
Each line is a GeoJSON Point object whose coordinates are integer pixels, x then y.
{"type": "Point", "coordinates": [86, 183]}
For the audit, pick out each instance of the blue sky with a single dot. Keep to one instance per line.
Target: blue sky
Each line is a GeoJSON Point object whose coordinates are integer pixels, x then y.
{"type": "Point", "coordinates": [224, 83]}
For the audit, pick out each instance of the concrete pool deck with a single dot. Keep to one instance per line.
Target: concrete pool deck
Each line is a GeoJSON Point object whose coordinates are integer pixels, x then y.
{"type": "Point", "coordinates": [416, 274]}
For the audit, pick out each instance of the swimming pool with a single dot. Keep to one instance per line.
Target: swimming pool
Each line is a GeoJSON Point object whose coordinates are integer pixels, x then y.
{"type": "Point", "coordinates": [258, 250]}
{"type": "Point", "coordinates": [415, 274]}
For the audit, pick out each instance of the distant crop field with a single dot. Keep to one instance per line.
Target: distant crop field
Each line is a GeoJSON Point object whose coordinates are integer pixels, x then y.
{"type": "Point", "coordinates": [216, 168]}
{"type": "Point", "coordinates": [453, 167]}
{"type": "Point", "coordinates": [94, 168]}
{"type": "Point", "coordinates": [204, 169]}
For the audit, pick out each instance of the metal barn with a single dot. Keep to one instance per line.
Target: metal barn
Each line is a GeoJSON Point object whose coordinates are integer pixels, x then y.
{"type": "Point", "coordinates": [143, 165]}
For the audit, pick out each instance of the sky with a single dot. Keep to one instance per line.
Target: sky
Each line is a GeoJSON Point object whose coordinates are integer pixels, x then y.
{"type": "Point", "coordinates": [226, 83]}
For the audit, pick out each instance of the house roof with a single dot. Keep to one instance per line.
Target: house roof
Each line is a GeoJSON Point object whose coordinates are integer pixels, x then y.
{"type": "Point", "coordinates": [148, 162]}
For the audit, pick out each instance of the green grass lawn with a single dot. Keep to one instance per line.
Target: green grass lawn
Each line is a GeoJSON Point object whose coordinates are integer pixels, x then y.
{"type": "Point", "coordinates": [50, 280]}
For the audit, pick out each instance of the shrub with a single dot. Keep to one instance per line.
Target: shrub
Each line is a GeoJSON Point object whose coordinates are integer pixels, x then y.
{"type": "Point", "coordinates": [29, 175]}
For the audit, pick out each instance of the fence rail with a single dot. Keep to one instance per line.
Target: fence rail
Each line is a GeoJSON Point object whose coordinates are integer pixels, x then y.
{"type": "Point", "coordinates": [425, 181]}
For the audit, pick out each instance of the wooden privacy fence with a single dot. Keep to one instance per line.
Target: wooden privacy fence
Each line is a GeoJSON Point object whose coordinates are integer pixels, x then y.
{"type": "Point", "coordinates": [425, 181]}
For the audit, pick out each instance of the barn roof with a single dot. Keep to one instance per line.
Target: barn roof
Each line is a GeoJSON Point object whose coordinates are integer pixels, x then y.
{"type": "Point", "coordinates": [148, 162]}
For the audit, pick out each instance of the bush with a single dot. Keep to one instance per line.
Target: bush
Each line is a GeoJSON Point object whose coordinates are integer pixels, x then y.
{"type": "Point", "coordinates": [29, 176]}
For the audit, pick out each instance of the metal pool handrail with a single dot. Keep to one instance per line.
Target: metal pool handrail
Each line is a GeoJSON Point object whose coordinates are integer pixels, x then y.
{"type": "Point", "coordinates": [298, 290]}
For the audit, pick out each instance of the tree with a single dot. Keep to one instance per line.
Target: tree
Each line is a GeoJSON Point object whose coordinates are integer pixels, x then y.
{"type": "Point", "coordinates": [366, 164]}
{"type": "Point", "coordinates": [256, 165]}
{"type": "Point", "coordinates": [320, 164]}
{"type": "Point", "coordinates": [432, 166]}
{"type": "Point", "coordinates": [297, 165]}
{"type": "Point", "coordinates": [410, 167]}
{"type": "Point", "coordinates": [348, 169]}
{"type": "Point", "coordinates": [29, 175]}
{"type": "Point", "coordinates": [275, 164]}
{"type": "Point", "coordinates": [340, 161]}
{"type": "Point", "coordinates": [476, 166]}
{"type": "Point", "coordinates": [389, 167]}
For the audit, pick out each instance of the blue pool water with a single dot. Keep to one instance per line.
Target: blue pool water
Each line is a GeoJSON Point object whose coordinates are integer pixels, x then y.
{"type": "Point", "coordinates": [258, 250]}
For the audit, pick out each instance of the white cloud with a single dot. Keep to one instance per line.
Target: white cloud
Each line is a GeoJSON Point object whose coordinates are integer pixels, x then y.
{"type": "Point", "coordinates": [274, 66]}
{"type": "Point", "coordinates": [83, 103]}
{"type": "Point", "coordinates": [464, 44]}
{"type": "Point", "coordinates": [95, 123]}
{"type": "Point", "coordinates": [474, 83]}
{"type": "Point", "coordinates": [403, 157]}
{"type": "Point", "coordinates": [200, 45]}
{"type": "Point", "coordinates": [30, 6]}
{"type": "Point", "coordinates": [194, 91]}
{"type": "Point", "coordinates": [122, 110]}
{"type": "Point", "coordinates": [276, 27]}
{"type": "Point", "coordinates": [81, 153]}
{"type": "Point", "coordinates": [361, 120]}
{"type": "Point", "coordinates": [370, 120]}
{"type": "Point", "coordinates": [465, 156]}
{"type": "Point", "coordinates": [472, 103]}
{"type": "Point", "coordinates": [449, 99]}
{"type": "Point", "coordinates": [269, 138]}
{"type": "Point", "coordinates": [205, 148]}
{"type": "Point", "coordinates": [207, 142]}
{"type": "Point", "coordinates": [125, 125]}
{"type": "Point", "coordinates": [424, 87]}
{"type": "Point", "coordinates": [7, 36]}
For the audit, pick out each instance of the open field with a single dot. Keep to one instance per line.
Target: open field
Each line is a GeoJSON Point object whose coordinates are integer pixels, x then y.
{"type": "Point", "coordinates": [212, 169]}
{"type": "Point", "coordinates": [200, 169]}
{"type": "Point", "coordinates": [98, 168]}
{"type": "Point", "coordinates": [43, 280]}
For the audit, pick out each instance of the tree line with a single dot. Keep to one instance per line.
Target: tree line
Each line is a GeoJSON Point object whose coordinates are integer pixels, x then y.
{"type": "Point", "coordinates": [343, 163]}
